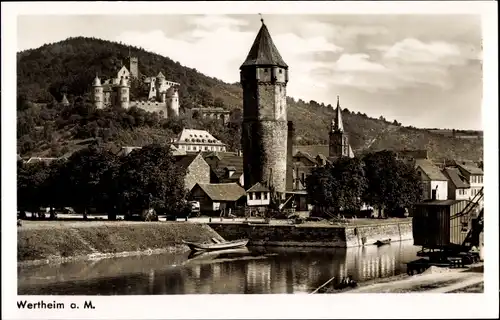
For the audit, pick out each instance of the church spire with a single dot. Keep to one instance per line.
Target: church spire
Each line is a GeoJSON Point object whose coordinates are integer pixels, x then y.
{"type": "Point", "coordinates": [263, 51]}
{"type": "Point", "coordinates": [337, 123]}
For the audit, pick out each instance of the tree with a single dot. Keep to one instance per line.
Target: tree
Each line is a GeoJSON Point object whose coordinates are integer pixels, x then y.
{"type": "Point", "coordinates": [392, 184]}
{"type": "Point", "coordinates": [85, 178]}
{"type": "Point", "coordinates": [31, 180]}
{"type": "Point", "coordinates": [149, 178]}
{"type": "Point", "coordinates": [338, 186]}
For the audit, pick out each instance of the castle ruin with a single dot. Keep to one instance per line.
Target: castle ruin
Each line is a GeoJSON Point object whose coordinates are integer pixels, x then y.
{"type": "Point", "coordinates": [163, 95]}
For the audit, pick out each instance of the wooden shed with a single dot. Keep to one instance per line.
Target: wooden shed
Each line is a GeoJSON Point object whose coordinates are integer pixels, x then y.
{"type": "Point", "coordinates": [438, 224]}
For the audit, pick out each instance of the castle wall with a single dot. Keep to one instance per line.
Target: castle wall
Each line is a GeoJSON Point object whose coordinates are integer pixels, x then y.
{"type": "Point", "coordinates": [158, 107]}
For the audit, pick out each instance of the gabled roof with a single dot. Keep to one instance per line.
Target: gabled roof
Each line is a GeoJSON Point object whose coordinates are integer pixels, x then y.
{"type": "Point", "coordinates": [263, 51]}
{"type": "Point", "coordinates": [470, 169]}
{"type": "Point", "coordinates": [184, 161]}
{"type": "Point", "coordinates": [222, 191]}
{"type": "Point", "coordinates": [431, 170]}
{"type": "Point", "coordinates": [312, 150]}
{"type": "Point", "coordinates": [223, 161]}
{"type": "Point", "coordinates": [160, 75]}
{"type": "Point", "coordinates": [258, 187]}
{"type": "Point", "coordinates": [456, 178]}
{"type": "Point", "coordinates": [305, 155]}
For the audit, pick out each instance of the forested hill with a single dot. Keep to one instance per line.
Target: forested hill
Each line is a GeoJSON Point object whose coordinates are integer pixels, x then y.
{"type": "Point", "coordinates": [70, 66]}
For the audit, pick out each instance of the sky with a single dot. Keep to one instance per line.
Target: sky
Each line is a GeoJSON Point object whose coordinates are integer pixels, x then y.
{"type": "Point", "coordinates": [422, 70]}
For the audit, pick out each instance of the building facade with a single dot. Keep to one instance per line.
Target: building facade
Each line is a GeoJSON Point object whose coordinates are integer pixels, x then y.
{"type": "Point", "coordinates": [264, 77]}
{"type": "Point", "coordinates": [434, 183]}
{"type": "Point", "coordinates": [458, 186]}
{"type": "Point", "coordinates": [191, 140]}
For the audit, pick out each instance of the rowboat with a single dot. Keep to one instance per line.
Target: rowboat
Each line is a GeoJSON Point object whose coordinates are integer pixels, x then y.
{"type": "Point", "coordinates": [217, 245]}
{"type": "Point", "coordinates": [382, 242]}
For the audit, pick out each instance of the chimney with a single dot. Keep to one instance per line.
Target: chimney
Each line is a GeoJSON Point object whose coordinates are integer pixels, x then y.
{"type": "Point", "coordinates": [289, 156]}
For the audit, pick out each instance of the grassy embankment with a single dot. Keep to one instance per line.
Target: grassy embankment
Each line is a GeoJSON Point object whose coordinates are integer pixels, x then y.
{"type": "Point", "coordinates": [60, 241]}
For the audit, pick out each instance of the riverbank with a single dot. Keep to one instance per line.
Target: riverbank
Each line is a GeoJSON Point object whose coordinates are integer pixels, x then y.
{"type": "Point", "coordinates": [355, 233]}
{"type": "Point", "coordinates": [40, 242]}
{"type": "Point", "coordinates": [433, 280]}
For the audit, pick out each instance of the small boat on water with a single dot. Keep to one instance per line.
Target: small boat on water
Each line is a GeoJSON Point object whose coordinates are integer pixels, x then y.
{"type": "Point", "coordinates": [382, 242]}
{"type": "Point", "coordinates": [217, 245]}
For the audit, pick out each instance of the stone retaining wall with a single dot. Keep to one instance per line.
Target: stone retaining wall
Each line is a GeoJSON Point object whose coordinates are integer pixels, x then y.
{"type": "Point", "coordinates": [313, 235]}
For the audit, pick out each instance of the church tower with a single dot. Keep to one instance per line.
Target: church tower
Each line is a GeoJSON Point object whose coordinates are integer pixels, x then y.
{"type": "Point", "coordinates": [339, 141]}
{"type": "Point", "coordinates": [98, 93]}
{"type": "Point", "coordinates": [123, 94]}
{"type": "Point", "coordinates": [264, 76]}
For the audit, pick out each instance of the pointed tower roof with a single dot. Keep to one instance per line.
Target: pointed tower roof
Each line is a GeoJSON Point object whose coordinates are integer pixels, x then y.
{"type": "Point", "coordinates": [263, 51]}
{"type": "Point", "coordinates": [337, 123]}
{"type": "Point", "coordinates": [64, 100]}
{"type": "Point", "coordinates": [160, 75]}
{"type": "Point", "coordinates": [97, 81]}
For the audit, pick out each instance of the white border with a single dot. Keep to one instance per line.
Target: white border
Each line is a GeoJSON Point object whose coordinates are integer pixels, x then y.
{"type": "Point", "coordinates": [257, 306]}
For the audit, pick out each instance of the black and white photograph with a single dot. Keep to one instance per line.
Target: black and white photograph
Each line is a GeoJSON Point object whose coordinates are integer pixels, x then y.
{"type": "Point", "coordinates": [192, 154]}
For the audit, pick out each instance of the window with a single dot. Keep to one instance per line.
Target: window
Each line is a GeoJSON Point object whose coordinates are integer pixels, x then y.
{"type": "Point", "coordinates": [250, 196]}
{"type": "Point", "coordinates": [265, 70]}
{"type": "Point", "coordinates": [189, 148]}
{"type": "Point", "coordinates": [258, 196]}
{"type": "Point", "coordinates": [265, 195]}
{"type": "Point", "coordinates": [281, 71]}
{"type": "Point", "coordinates": [206, 148]}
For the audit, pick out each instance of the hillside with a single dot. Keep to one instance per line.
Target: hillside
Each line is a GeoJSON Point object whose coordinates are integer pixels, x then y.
{"type": "Point", "coordinates": [70, 65]}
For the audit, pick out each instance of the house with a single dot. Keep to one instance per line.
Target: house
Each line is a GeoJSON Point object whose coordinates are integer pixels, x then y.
{"type": "Point", "coordinates": [258, 196]}
{"type": "Point", "coordinates": [197, 170]}
{"type": "Point", "coordinates": [474, 177]}
{"type": "Point", "coordinates": [458, 185]}
{"type": "Point", "coordinates": [302, 164]}
{"type": "Point", "coordinates": [215, 198]}
{"type": "Point", "coordinates": [434, 182]}
{"type": "Point", "coordinates": [191, 140]}
{"type": "Point", "coordinates": [226, 167]}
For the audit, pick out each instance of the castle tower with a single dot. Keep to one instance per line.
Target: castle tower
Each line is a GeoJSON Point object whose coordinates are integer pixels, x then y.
{"type": "Point", "coordinates": [123, 94]}
{"type": "Point", "coordinates": [133, 66]}
{"type": "Point", "coordinates": [98, 93]}
{"type": "Point", "coordinates": [339, 140]}
{"type": "Point", "coordinates": [160, 86]}
{"type": "Point", "coordinates": [264, 76]}
{"type": "Point", "coordinates": [65, 101]}
{"type": "Point", "coordinates": [173, 102]}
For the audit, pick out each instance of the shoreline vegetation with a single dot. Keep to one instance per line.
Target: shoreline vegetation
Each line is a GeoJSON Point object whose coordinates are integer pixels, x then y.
{"type": "Point", "coordinates": [98, 240]}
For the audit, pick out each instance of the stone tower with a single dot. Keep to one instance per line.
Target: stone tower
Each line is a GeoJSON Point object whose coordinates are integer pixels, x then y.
{"type": "Point", "coordinates": [173, 102]}
{"type": "Point", "coordinates": [133, 66]}
{"type": "Point", "coordinates": [264, 76]}
{"type": "Point", "coordinates": [123, 94]}
{"type": "Point", "coordinates": [339, 140]}
{"type": "Point", "coordinates": [98, 93]}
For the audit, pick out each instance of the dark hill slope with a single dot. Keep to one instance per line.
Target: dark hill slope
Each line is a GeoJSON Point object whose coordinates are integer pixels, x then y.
{"type": "Point", "coordinates": [70, 65]}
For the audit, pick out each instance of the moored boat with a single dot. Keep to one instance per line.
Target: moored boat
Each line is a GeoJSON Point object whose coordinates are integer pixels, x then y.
{"type": "Point", "coordinates": [222, 245]}
{"type": "Point", "coordinates": [382, 242]}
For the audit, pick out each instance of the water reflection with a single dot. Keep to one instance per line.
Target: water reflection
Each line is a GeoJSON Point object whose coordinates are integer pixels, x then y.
{"type": "Point", "coordinates": [254, 270]}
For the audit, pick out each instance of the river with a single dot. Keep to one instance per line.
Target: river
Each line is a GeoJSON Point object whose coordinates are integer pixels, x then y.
{"type": "Point", "coordinates": [253, 271]}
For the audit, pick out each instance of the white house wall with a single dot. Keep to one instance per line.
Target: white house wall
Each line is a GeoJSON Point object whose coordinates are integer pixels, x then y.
{"type": "Point", "coordinates": [442, 189]}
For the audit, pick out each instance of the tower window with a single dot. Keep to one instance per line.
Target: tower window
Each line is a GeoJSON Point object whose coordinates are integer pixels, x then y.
{"type": "Point", "coordinates": [281, 71]}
